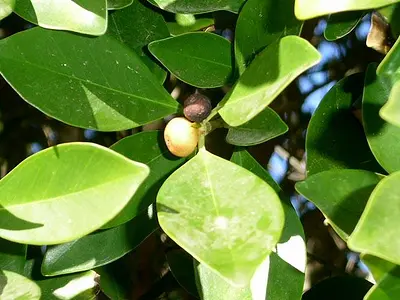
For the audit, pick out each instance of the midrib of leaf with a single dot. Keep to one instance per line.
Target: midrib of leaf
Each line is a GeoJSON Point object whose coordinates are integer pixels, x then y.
{"type": "Point", "coordinates": [64, 195]}
{"type": "Point", "coordinates": [88, 81]}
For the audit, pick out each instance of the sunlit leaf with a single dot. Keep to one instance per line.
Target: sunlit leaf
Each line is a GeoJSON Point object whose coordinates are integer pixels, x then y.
{"type": "Point", "coordinates": [388, 287]}
{"type": "Point", "coordinates": [17, 287]}
{"type": "Point", "coordinates": [198, 6]}
{"type": "Point", "coordinates": [200, 23]}
{"type": "Point", "coordinates": [6, 8]}
{"type": "Point", "coordinates": [118, 4]}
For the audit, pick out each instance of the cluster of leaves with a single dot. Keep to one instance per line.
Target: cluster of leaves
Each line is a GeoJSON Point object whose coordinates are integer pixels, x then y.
{"type": "Point", "coordinates": [89, 66]}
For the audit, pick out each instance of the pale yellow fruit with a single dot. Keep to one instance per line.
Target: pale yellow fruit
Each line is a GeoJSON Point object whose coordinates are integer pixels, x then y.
{"type": "Point", "coordinates": [181, 137]}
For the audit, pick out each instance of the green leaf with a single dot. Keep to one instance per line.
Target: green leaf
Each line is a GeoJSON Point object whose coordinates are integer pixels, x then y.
{"type": "Point", "coordinates": [83, 16]}
{"type": "Point", "coordinates": [267, 76]}
{"type": "Point", "coordinates": [63, 193]}
{"type": "Point", "coordinates": [12, 256]}
{"type": "Point", "coordinates": [335, 138]}
{"type": "Point", "coordinates": [198, 6]}
{"type": "Point", "coordinates": [115, 279]}
{"type": "Point", "coordinates": [377, 231]}
{"type": "Point", "coordinates": [390, 112]}
{"type": "Point", "coordinates": [200, 23]}
{"type": "Point", "coordinates": [207, 54]}
{"type": "Point", "coordinates": [291, 247]}
{"type": "Point", "coordinates": [390, 65]}
{"type": "Point", "coordinates": [341, 195]}
{"type": "Point", "coordinates": [383, 137]}
{"type": "Point", "coordinates": [17, 287]}
{"type": "Point", "coordinates": [118, 4]}
{"type": "Point", "coordinates": [101, 85]}
{"type": "Point", "coordinates": [263, 127]}
{"type": "Point", "coordinates": [136, 26]}
{"type": "Point", "coordinates": [147, 147]}
{"type": "Point", "coordinates": [391, 14]}
{"type": "Point", "coordinates": [308, 9]}
{"type": "Point", "coordinates": [377, 266]}
{"type": "Point", "coordinates": [80, 286]}
{"type": "Point", "coordinates": [84, 254]}
{"type": "Point", "coordinates": [260, 23]}
{"type": "Point", "coordinates": [6, 8]}
{"type": "Point", "coordinates": [203, 210]}
{"type": "Point", "coordinates": [388, 288]}
{"type": "Point", "coordinates": [341, 24]}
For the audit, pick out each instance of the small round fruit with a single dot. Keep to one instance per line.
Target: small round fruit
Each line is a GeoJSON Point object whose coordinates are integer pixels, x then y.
{"type": "Point", "coordinates": [181, 137]}
{"type": "Point", "coordinates": [197, 107]}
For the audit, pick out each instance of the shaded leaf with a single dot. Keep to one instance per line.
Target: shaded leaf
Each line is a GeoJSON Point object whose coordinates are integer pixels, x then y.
{"type": "Point", "coordinates": [17, 287]}
{"type": "Point", "coordinates": [383, 137]}
{"type": "Point", "coordinates": [100, 85]}
{"type": "Point", "coordinates": [260, 23]}
{"type": "Point", "coordinates": [263, 127]}
{"type": "Point", "coordinates": [115, 279]}
{"type": "Point", "coordinates": [84, 254]}
{"type": "Point", "coordinates": [207, 54]}
{"type": "Point", "coordinates": [203, 210]}
{"type": "Point", "coordinates": [308, 9]}
{"type": "Point", "coordinates": [376, 233]}
{"type": "Point", "coordinates": [200, 23]}
{"type": "Point", "coordinates": [12, 256]}
{"type": "Point", "coordinates": [198, 6]}
{"type": "Point", "coordinates": [147, 147]}
{"type": "Point", "coordinates": [63, 193]}
{"type": "Point", "coordinates": [335, 138]}
{"type": "Point", "coordinates": [118, 4]}
{"type": "Point", "coordinates": [391, 14]}
{"type": "Point", "coordinates": [341, 24]}
{"type": "Point", "coordinates": [83, 16]}
{"type": "Point", "coordinates": [267, 76]}
{"type": "Point", "coordinates": [341, 195]}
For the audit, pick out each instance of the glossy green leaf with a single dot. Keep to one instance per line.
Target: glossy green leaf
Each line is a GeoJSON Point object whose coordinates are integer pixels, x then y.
{"type": "Point", "coordinates": [118, 4]}
{"type": "Point", "coordinates": [100, 85]}
{"type": "Point", "coordinates": [80, 286]}
{"type": "Point", "coordinates": [12, 256]}
{"type": "Point", "coordinates": [115, 279]}
{"type": "Point", "coordinates": [136, 26]}
{"type": "Point", "coordinates": [335, 138]}
{"type": "Point", "coordinates": [383, 137]}
{"type": "Point", "coordinates": [390, 65]}
{"type": "Point", "coordinates": [200, 23]}
{"type": "Point", "coordinates": [207, 54]}
{"type": "Point", "coordinates": [6, 8]}
{"type": "Point", "coordinates": [341, 195]}
{"type": "Point", "coordinates": [308, 9]}
{"type": "Point", "coordinates": [260, 23]}
{"type": "Point", "coordinates": [203, 210]}
{"type": "Point", "coordinates": [263, 127]}
{"type": "Point", "coordinates": [341, 24]}
{"type": "Point", "coordinates": [388, 287]}
{"type": "Point", "coordinates": [198, 6]}
{"type": "Point", "coordinates": [147, 147]}
{"type": "Point", "coordinates": [83, 16]}
{"type": "Point", "coordinates": [267, 76]}
{"type": "Point", "coordinates": [376, 233]}
{"type": "Point", "coordinates": [291, 247]}
{"type": "Point", "coordinates": [391, 14]}
{"type": "Point", "coordinates": [84, 254]}
{"type": "Point", "coordinates": [390, 112]}
{"type": "Point", "coordinates": [63, 193]}
{"type": "Point", "coordinates": [17, 287]}
{"type": "Point", "coordinates": [377, 266]}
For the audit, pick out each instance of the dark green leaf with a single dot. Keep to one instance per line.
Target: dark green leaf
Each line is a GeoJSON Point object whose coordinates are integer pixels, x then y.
{"type": "Point", "coordinates": [383, 137]}
{"type": "Point", "coordinates": [84, 254]}
{"type": "Point", "coordinates": [263, 127]}
{"type": "Point", "coordinates": [377, 231]}
{"type": "Point", "coordinates": [12, 256]}
{"type": "Point", "coordinates": [198, 6]}
{"type": "Point", "coordinates": [202, 209]}
{"type": "Point", "coordinates": [260, 23]}
{"type": "Point", "coordinates": [136, 26]}
{"type": "Point", "coordinates": [341, 195]}
{"type": "Point", "coordinates": [6, 8]}
{"type": "Point", "coordinates": [341, 24]}
{"type": "Point", "coordinates": [200, 59]}
{"type": "Point", "coordinates": [100, 85]}
{"type": "Point", "coordinates": [17, 287]}
{"type": "Point", "coordinates": [63, 193]}
{"type": "Point", "coordinates": [267, 76]}
{"type": "Point", "coordinates": [200, 23]}
{"type": "Point", "coordinates": [118, 4]}
{"type": "Point", "coordinates": [335, 138]}
{"type": "Point", "coordinates": [391, 14]}
{"type": "Point", "coordinates": [308, 9]}
{"type": "Point", "coordinates": [147, 147]}
{"type": "Point", "coordinates": [83, 16]}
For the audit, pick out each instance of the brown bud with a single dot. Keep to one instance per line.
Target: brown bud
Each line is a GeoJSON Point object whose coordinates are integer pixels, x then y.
{"type": "Point", "coordinates": [181, 137]}
{"type": "Point", "coordinates": [197, 107]}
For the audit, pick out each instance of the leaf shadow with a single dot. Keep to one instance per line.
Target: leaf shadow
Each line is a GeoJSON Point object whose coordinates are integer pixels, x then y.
{"type": "Point", "coordinates": [8, 221]}
{"type": "Point", "coordinates": [3, 282]}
